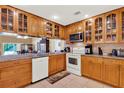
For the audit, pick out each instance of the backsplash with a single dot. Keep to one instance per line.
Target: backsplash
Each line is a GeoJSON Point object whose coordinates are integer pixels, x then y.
{"type": "Point", "coordinates": [107, 48]}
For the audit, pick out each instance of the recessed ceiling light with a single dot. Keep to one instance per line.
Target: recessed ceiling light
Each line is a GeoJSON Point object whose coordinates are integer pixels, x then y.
{"type": "Point", "coordinates": [55, 17]}
{"type": "Point", "coordinates": [86, 16]}
{"type": "Point", "coordinates": [91, 19]}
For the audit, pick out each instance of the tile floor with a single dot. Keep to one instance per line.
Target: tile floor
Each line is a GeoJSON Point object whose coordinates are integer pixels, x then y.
{"type": "Point", "coordinates": [70, 81]}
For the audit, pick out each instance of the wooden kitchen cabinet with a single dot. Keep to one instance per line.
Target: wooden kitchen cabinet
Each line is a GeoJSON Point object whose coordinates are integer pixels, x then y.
{"type": "Point", "coordinates": [61, 62]}
{"type": "Point", "coordinates": [7, 19]}
{"type": "Point", "coordinates": [92, 67]}
{"type": "Point", "coordinates": [56, 63]}
{"type": "Point", "coordinates": [111, 27]}
{"type": "Point", "coordinates": [99, 25]}
{"type": "Point", "coordinates": [42, 31]}
{"type": "Point", "coordinates": [34, 26]}
{"type": "Point", "coordinates": [121, 79]}
{"type": "Point", "coordinates": [52, 64]}
{"type": "Point", "coordinates": [17, 75]}
{"type": "Point", "coordinates": [121, 25]}
{"type": "Point", "coordinates": [23, 22]}
{"type": "Point", "coordinates": [86, 66]}
{"type": "Point", "coordinates": [62, 32]}
{"type": "Point", "coordinates": [96, 68]}
{"type": "Point", "coordinates": [67, 33]}
{"type": "Point", "coordinates": [110, 71]}
{"type": "Point", "coordinates": [48, 28]}
{"type": "Point", "coordinates": [56, 31]}
{"type": "Point", "coordinates": [88, 25]}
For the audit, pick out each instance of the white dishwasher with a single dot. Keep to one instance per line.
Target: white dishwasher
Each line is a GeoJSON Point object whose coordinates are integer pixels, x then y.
{"type": "Point", "coordinates": [39, 68]}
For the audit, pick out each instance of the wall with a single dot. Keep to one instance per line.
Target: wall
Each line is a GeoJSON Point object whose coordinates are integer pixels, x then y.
{"type": "Point", "coordinates": [107, 48]}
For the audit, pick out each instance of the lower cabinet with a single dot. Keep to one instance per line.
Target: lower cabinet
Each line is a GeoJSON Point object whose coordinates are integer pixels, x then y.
{"type": "Point", "coordinates": [17, 75]}
{"type": "Point", "coordinates": [97, 68]}
{"type": "Point", "coordinates": [110, 72]}
{"type": "Point", "coordinates": [107, 70]}
{"type": "Point", "coordinates": [86, 66]}
{"type": "Point", "coordinates": [91, 67]}
{"type": "Point", "coordinates": [122, 73]}
{"type": "Point", "coordinates": [56, 63]}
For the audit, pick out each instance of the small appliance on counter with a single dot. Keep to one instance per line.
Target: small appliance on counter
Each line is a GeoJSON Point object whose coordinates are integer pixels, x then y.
{"type": "Point", "coordinates": [43, 45]}
{"type": "Point", "coordinates": [118, 52]}
{"type": "Point", "coordinates": [100, 51]}
{"type": "Point", "coordinates": [67, 49]}
{"type": "Point", "coordinates": [114, 52]}
{"type": "Point", "coordinates": [88, 49]}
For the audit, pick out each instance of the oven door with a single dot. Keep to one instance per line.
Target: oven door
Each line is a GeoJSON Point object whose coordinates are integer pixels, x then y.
{"type": "Point", "coordinates": [74, 61]}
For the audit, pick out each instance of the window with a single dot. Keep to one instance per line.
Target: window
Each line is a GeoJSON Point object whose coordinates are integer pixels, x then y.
{"type": "Point", "coordinates": [10, 49]}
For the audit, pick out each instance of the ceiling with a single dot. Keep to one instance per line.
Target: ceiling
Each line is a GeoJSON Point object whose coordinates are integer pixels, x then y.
{"type": "Point", "coordinates": [64, 14]}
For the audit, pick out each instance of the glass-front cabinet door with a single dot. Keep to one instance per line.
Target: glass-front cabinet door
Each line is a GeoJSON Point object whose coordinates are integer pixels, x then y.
{"type": "Point", "coordinates": [49, 29]}
{"type": "Point", "coordinates": [88, 31]}
{"type": "Point", "coordinates": [99, 29]}
{"type": "Point", "coordinates": [23, 23]}
{"type": "Point", "coordinates": [111, 27]}
{"type": "Point", "coordinates": [7, 17]}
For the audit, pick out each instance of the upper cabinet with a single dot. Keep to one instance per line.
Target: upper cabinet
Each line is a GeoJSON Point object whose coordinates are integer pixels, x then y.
{"type": "Point", "coordinates": [62, 32]}
{"type": "Point", "coordinates": [121, 23]}
{"type": "Point", "coordinates": [99, 29]}
{"type": "Point", "coordinates": [111, 27]}
{"type": "Point", "coordinates": [49, 29]}
{"type": "Point", "coordinates": [42, 31]}
{"type": "Point", "coordinates": [34, 25]}
{"type": "Point", "coordinates": [88, 31]}
{"type": "Point", "coordinates": [56, 31]}
{"type": "Point", "coordinates": [7, 17]}
{"type": "Point", "coordinates": [79, 27]}
{"type": "Point", "coordinates": [23, 23]}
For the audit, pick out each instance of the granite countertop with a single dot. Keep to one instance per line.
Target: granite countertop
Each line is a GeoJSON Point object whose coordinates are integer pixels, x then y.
{"type": "Point", "coordinates": [26, 56]}
{"type": "Point", "coordinates": [104, 56]}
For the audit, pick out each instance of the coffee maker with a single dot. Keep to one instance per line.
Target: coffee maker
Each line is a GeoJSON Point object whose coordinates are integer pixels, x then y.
{"type": "Point", "coordinates": [88, 49]}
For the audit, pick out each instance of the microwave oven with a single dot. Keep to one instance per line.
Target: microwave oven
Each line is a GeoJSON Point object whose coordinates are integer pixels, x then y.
{"type": "Point", "coordinates": [77, 37]}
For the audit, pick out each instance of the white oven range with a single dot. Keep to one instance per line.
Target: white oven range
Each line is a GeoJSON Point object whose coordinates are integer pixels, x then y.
{"type": "Point", "coordinates": [73, 61]}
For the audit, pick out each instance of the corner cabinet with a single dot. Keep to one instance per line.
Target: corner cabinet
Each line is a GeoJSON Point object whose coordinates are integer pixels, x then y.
{"type": "Point", "coordinates": [88, 35]}
{"type": "Point", "coordinates": [111, 27]}
{"type": "Point", "coordinates": [48, 28]}
{"type": "Point", "coordinates": [7, 19]}
{"type": "Point", "coordinates": [22, 23]}
{"type": "Point", "coordinates": [99, 29]}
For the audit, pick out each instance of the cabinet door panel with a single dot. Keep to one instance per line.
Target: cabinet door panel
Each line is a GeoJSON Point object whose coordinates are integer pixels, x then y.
{"type": "Point", "coordinates": [96, 68]}
{"type": "Point", "coordinates": [86, 66]}
{"type": "Point", "coordinates": [16, 75]}
{"type": "Point", "coordinates": [110, 72]}
{"type": "Point", "coordinates": [52, 64]}
{"type": "Point", "coordinates": [60, 62]}
{"type": "Point", "coordinates": [122, 73]}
